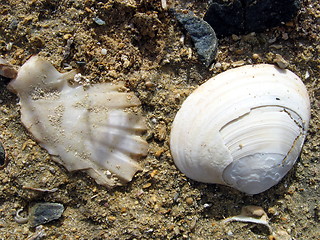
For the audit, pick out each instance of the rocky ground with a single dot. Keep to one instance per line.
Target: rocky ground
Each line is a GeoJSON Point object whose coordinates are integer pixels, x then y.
{"type": "Point", "coordinates": [147, 49]}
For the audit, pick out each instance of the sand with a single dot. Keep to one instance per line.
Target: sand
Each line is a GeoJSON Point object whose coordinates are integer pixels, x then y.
{"type": "Point", "coordinates": [144, 46]}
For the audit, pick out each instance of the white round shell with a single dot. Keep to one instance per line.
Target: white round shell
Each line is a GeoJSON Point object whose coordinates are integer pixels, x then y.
{"type": "Point", "coordinates": [243, 128]}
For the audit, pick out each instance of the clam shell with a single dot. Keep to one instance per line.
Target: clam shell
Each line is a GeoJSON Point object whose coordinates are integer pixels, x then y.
{"type": "Point", "coordinates": [243, 128]}
{"type": "Point", "coordinates": [91, 129]}
{"type": "Point", "coordinates": [7, 70]}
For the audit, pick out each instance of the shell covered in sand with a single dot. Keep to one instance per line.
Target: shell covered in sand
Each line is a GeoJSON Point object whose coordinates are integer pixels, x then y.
{"type": "Point", "coordinates": [95, 128]}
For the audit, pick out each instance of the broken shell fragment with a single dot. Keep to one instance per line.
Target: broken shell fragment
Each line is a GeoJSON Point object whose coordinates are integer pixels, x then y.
{"type": "Point", "coordinates": [252, 214]}
{"type": "Point", "coordinates": [42, 213]}
{"type": "Point", "coordinates": [7, 70]}
{"type": "Point", "coordinates": [243, 128]}
{"type": "Point", "coordinates": [95, 129]}
{"type": "Point", "coordinates": [19, 219]}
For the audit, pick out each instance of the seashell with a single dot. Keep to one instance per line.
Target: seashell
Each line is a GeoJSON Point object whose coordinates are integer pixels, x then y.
{"type": "Point", "coordinates": [243, 128]}
{"type": "Point", "coordinates": [7, 70]}
{"type": "Point", "coordinates": [94, 129]}
{"type": "Point", "coordinates": [251, 214]}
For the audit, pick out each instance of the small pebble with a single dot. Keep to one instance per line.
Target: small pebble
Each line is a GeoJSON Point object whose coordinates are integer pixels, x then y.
{"type": "Point", "coordinates": [147, 185]}
{"type": "Point", "coordinates": [255, 56]}
{"type": "Point", "coordinates": [123, 210]}
{"type": "Point", "coordinates": [218, 65]}
{"type": "Point", "coordinates": [161, 132]}
{"type": "Point", "coordinates": [99, 21]}
{"type": "Point", "coordinates": [193, 223]}
{"type": "Point", "coordinates": [280, 61]}
{"type": "Point", "coordinates": [307, 75]}
{"type": "Point", "coordinates": [176, 196]}
{"type": "Point", "coordinates": [276, 46]}
{"type": "Point", "coordinates": [272, 40]}
{"type": "Point", "coordinates": [42, 213]}
{"type": "Point", "coordinates": [153, 173]}
{"type": "Point", "coordinates": [113, 74]}
{"type": "Point", "coordinates": [149, 230]}
{"type": "Point", "coordinates": [230, 233]}
{"type": "Point", "coordinates": [238, 63]}
{"type": "Point", "coordinates": [285, 36]}
{"type": "Point", "coordinates": [104, 51]}
{"type": "Point", "coordinates": [164, 4]}
{"type": "Point", "coordinates": [67, 36]}
{"type": "Point", "coordinates": [235, 37]}
{"type": "Point", "coordinates": [81, 63]}
{"type": "Point", "coordinates": [176, 230]}
{"type": "Point", "coordinates": [9, 46]}
{"type": "Point", "coordinates": [111, 218]}
{"type": "Point", "coordinates": [149, 84]}
{"type": "Point", "coordinates": [189, 201]}
{"type": "Point", "coordinates": [158, 152]}
{"type": "Point", "coordinates": [207, 205]}
{"type": "Point", "coordinates": [272, 211]}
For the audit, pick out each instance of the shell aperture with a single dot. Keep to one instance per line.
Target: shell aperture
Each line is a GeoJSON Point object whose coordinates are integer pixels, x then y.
{"type": "Point", "coordinates": [243, 128]}
{"type": "Point", "coordinates": [91, 129]}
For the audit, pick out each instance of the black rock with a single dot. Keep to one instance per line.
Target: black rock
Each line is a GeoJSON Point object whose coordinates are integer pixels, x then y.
{"type": "Point", "coordinates": [42, 213]}
{"type": "Point", "coordinates": [202, 35]}
{"type": "Point", "coordinates": [244, 16]}
{"type": "Point", "coordinates": [224, 18]}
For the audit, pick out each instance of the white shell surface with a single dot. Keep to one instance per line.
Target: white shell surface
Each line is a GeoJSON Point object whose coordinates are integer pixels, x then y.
{"type": "Point", "coordinates": [90, 129]}
{"type": "Point", "coordinates": [243, 128]}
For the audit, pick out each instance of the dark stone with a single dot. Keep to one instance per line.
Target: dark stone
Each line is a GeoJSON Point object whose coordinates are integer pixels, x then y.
{"type": "Point", "coordinates": [2, 156]}
{"type": "Point", "coordinates": [244, 16]}
{"type": "Point", "coordinates": [14, 24]}
{"type": "Point", "coordinates": [202, 35]}
{"type": "Point", "coordinates": [42, 213]}
{"type": "Point", "coordinates": [225, 19]}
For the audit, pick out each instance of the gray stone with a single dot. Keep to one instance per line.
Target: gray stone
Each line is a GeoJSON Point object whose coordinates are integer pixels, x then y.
{"type": "Point", "coordinates": [202, 35]}
{"type": "Point", "coordinates": [99, 21]}
{"type": "Point", "coordinates": [42, 213]}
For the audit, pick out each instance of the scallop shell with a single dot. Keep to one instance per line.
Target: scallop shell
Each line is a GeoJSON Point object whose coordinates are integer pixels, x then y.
{"type": "Point", "coordinates": [243, 128]}
{"type": "Point", "coordinates": [91, 129]}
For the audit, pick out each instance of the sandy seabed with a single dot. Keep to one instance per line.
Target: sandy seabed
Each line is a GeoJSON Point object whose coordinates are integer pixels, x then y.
{"type": "Point", "coordinates": [148, 50]}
